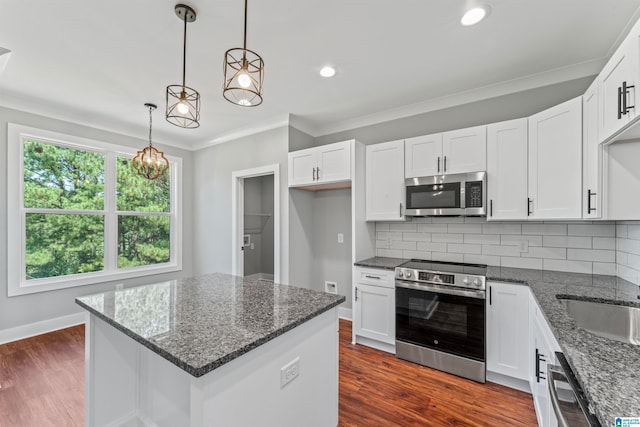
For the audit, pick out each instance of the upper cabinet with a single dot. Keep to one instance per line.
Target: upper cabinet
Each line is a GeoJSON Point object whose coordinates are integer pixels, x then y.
{"type": "Point", "coordinates": [458, 151]}
{"type": "Point", "coordinates": [465, 150]}
{"type": "Point", "coordinates": [591, 156]}
{"type": "Point", "coordinates": [555, 162]}
{"type": "Point", "coordinates": [507, 170]}
{"type": "Point", "coordinates": [618, 87]}
{"type": "Point", "coordinates": [384, 182]}
{"type": "Point", "coordinates": [324, 167]}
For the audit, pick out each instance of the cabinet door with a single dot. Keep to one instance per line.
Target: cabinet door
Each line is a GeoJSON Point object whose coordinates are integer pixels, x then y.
{"type": "Point", "coordinates": [621, 69]}
{"type": "Point", "coordinates": [334, 162]}
{"type": "Point", "coordinates": [591, 156]}
{"type": "Point", "coordinates": [423, 155]}
{"type": "Point", "coordinates": [507, 323]}
{"type": "Point", "coordinates": [540, 390]}
{"type": "Point", "coordinates": [302, 166]}
{"type": "Point", "coordinates": [375, 312]}
{"type": "Point", "coordinates": [385, 189]}
{"type": "Point", "coordinates": [623, 181]}
{"type": "Point", "coordinates": [555, 162]}
{"type": "Point", "coordinates": [507, 170]}
{"type": "Point", "coordinates": [465, 150]}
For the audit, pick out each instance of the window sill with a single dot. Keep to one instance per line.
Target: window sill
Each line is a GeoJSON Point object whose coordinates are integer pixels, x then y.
{"type": "Point", "coordinates": [64, 282]}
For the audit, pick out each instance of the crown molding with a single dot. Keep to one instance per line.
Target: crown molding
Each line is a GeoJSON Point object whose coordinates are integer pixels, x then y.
{"type": "Point", "coordinates": [533, 81]}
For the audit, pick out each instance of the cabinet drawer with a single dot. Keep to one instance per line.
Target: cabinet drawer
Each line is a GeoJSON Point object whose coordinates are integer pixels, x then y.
{"type": "Point", "coordinates": [375, 276]}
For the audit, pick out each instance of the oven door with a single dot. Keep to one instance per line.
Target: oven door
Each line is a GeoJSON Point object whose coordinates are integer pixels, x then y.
{"type": "Point", "coordinates": [450, 320]}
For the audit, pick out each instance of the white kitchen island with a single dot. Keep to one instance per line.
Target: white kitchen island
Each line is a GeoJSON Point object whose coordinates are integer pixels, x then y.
{"type": "Point", "coordinates": [212, 351]}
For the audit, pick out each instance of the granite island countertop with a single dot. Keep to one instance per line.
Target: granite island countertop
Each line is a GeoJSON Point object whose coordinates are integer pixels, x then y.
{"type": "Point", "coordinates": [201, 323]}
{"type": "Point", "coordinates": [608, 370]}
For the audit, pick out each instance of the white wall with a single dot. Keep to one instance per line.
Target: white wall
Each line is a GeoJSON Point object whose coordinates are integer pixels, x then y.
{"type": "Point", "coordinates": [212, 170]}
{"type": "Point", "coordinates": [20, 311]}
{"type": "Point", "coordinates": [579, 246]}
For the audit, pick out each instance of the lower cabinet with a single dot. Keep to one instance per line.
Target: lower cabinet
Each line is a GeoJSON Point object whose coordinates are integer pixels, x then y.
{"type": "Point", "coordinates": [374, 322]}
{"type": "Point", "coordinates": [507, 340]}
{"type": "Point", "coordinates": [541, 354]}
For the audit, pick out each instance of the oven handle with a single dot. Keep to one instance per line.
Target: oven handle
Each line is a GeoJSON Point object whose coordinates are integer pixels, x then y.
{"type": "Point", "coordinates": [441, 289]}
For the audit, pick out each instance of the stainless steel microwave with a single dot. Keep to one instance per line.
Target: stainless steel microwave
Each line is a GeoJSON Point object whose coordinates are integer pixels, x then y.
{"type": "Point", "coordinates": [447, 195]}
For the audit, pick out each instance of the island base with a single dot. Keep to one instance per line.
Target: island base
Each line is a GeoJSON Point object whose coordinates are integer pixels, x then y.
{"type": "Point", "coordinates": [129, 385]}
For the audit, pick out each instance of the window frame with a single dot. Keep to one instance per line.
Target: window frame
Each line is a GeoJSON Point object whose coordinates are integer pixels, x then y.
{"type": "Point", "coordinates": [17, 284]}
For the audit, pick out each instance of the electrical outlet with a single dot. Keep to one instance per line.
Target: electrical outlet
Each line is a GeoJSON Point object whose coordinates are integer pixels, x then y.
{"type": "Point", "coordinates": [253, 246]}
{"type": "Point", "coordinates": [388, 242]}
{"type": "Point", "coordinates": [331, 287]}
{"type": "Point", "coordinates": [340, 238]}
{"type": "Point", "coordinates": [289, 372]}
{"type": "Point", "coordinates": [523, 246]}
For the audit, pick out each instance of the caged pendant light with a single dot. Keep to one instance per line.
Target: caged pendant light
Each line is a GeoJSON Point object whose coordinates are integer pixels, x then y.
{"type": "Point", "coordinates": [183, 102]}
{"type": "Point", "coordinates": [243, 73]}
{"type": "Point", "coordinates": [150, 162]}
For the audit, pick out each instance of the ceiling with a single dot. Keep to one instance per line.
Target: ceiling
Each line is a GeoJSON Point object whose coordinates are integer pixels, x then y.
{"type": "Point", "coordinates": [97, 62]}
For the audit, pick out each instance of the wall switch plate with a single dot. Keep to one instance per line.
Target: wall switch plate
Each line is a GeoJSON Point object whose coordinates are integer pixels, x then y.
{"type": "Point", "coordinates": [289, 372]}
{"type": "Point", "coordinates": [340, 238]}
{"type": "Point", "coordinates": [331, 287]}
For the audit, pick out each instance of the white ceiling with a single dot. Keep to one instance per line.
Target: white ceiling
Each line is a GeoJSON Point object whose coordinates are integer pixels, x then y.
{"type": "Point", "coordinates": [97, 62]}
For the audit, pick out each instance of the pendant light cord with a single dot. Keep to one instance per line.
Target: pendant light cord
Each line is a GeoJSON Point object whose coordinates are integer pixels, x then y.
{"type": "Point", "coordinates": [184, 51]}
{"type": "Point", "coordinates": [150, 124]}
{"type": "Point", "coordinates": [245, 25]}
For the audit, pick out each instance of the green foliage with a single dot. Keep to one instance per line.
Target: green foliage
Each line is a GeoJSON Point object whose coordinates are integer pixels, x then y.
{"type": "Point", "coordinates": [72, 179]}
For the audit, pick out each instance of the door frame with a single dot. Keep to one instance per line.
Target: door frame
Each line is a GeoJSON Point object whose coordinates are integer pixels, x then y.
{"type": "Point", "coordinates": [237, 216]}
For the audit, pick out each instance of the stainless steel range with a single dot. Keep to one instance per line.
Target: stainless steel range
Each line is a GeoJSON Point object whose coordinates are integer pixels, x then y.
{"type": "Point", "coordinates": [440, 316]}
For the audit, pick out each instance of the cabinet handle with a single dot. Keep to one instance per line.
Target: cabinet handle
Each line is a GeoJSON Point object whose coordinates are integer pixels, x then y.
{"type": "Point", "coordinates": [625, 92]}
{"type": "Point", "coordinates": [356, 293]}
{"type": "Point", "coordinates": [445, 163]}
{"type": "Point", "coordinates": [314, 174]}
{"type": "Point", "coordinates": [539, 358]}
{"type": "Point", "coordinates": [589, 208]}
{"type": "Point", "coordinates": [372, 277]}
{"type": "Point", "coordinates": [490, 295]}
{"type": "Point", "coordinates": [400, 210]}
{"type": "Point", "coordinates": [619, 102]}
{"type": "Point", "coordinates": [529, 200]}
{"type": "Point", "coordinates": [438, 164]}
{"type": "Point", "coordinates": [491, 207]}
{"type": "Point", "coordinates": [318, 172]}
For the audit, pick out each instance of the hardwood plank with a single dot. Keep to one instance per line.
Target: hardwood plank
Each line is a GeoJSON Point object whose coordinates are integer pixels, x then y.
{"type": "Point", "coordinates": [377, 389]}
{"type": "Point", "coordinates": [42, 384]}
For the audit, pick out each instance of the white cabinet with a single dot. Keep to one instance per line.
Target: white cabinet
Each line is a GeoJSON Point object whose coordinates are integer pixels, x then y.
{"type": "Point", "coordinates": [507, 326]}
{"type": "Point", "coordinates": [385, 188]}
{"type": "Point", "coordinates": [465, 150]}
{"type": "Point", "coordinates": [321, 166]}
{"type": "Point", "coordinates": [618, 87]}
{"type": "Point", "coordinates": [542, 353]}
{"type": "Point", "coordinates": [457, 151]}
{"type": "Point", "coordinates": [374, 300]}
{"type": "Point", "coordinates": [507, 170]}
{"type": "Point", "coordinates": [622, 181]}
{"type": "Point", "coordinates": [555, 162]}
{"type": "Point", "coordinates": [591, 156]}
{"type": "Point", "coordinates": [423, 155]}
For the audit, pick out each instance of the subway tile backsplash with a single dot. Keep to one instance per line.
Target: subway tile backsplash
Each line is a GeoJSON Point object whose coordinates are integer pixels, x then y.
{"type": "Point", "coordinates": [582, 247]}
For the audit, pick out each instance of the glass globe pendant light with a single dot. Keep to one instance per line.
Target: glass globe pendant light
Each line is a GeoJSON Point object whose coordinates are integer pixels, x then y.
{"type": "Point", "coordinates": [243, 73]}
{"type": "Point", "coordinates": [183, 102]}
{"type": "Point", "coordinates": [150, 162]}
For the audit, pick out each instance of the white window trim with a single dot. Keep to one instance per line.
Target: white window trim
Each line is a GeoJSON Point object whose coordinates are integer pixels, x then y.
{"type": "Point", "coordinates": [16, 281]}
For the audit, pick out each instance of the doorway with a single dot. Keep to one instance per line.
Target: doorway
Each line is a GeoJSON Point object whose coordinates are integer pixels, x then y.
{"type": "Point", "coordinates": [256, 223]}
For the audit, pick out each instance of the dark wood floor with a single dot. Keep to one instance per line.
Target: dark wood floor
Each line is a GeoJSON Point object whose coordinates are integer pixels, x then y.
{"type": "Point", "coordinates": [42, 385]}
{"type": "Point", "coordinates": [42, 380]}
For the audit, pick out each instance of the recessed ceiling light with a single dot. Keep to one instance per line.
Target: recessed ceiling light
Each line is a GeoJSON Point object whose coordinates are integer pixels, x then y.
{"type": "Point", "coordinates": [328, 71]}
{"type": "Point", "coordinates": [475, 15]}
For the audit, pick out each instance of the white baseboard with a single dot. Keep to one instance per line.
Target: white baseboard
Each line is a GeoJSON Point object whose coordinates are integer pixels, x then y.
{"type": "Point", "coordinates": [344, 313]}
{"type": "Point", "coordinates": [506, 381]}
{"type": "Point", "coordinates": [39, 328]}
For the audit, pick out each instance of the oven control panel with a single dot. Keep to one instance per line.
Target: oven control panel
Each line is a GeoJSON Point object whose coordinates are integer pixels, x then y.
{"type": "Point", "coordinates": [441, 278]}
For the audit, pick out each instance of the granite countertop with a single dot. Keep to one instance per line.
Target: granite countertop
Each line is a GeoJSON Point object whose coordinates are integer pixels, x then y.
{"type": "Point", "coordinates": [608, 370]}
{"type": "Point", "coordinates": [381, 262]}
{"type": "Point", "coordinates": [201, 323]}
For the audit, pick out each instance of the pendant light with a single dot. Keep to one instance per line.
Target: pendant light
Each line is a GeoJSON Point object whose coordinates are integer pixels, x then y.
{"type": "Point", "coordinates": [243, 73]}
{"type": "Point", "coordinates": [150, 162]}
{"type": "Point", "coordinates": [183, 102]}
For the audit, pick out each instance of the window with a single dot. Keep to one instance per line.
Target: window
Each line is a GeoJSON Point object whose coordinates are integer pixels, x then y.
{"type": "Point", "coordinates": [79, 213]}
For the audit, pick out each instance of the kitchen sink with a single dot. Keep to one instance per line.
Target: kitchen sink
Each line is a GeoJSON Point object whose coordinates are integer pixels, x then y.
{"type": "Point", "coordinates": [617, 322]}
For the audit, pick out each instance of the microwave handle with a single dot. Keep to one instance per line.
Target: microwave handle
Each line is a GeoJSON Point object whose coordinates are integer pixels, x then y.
{"type": "Point", "coordinates": [555, 372]}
